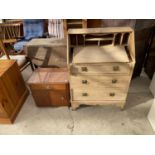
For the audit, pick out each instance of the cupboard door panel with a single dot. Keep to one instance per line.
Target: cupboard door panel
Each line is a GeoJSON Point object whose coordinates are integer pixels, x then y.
{"type": "Point", "coordinates": [14, 84]}
{"type": "Point", "coordinates": [58, 98]}
{"type": "Point", "coordinates": [41, 97]}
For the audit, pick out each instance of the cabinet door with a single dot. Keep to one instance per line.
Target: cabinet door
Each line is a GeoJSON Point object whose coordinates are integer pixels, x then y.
{"type": "Point", "coordinates": [49, 97]}
{"type": "Point", "coordinates": [41, 97]}
{"type": "Point", "coordinates": [14, 84]}
{"type": "Point", "coordinates": [58, 98]}
{"type": "Point", "coordinates": [6, 106]}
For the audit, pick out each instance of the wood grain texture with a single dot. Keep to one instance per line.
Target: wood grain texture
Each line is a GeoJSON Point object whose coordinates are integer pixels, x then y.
{"type": "Point", "coordinates": [99, 94]}
{"type": "Point", "coordinates": [50, 87]}
{"type": "Point", "coordinates": [99, 82]}
{"type": "Point", "coordinates": [99, 54]}
{"type": "Point", "coordinates": [100, 30]}
{"type": "Point", "coordinates": [101, 68]}
{"type": "Point", "coordinates": [13, 91]}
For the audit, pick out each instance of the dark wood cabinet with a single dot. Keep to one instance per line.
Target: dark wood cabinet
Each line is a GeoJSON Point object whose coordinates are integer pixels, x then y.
{"type": "Point", "coordinates": [50, 87]}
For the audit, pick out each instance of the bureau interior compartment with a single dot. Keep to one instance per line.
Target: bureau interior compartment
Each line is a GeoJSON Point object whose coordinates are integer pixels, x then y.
{"type": "Point", "coordinates": [99, 39]}
{"type": "Point", "coordinates": [98, 47]}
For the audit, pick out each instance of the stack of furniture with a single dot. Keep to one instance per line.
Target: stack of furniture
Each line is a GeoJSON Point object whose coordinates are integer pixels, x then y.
{"type": "Point", "coordinates": [13, 91]}
{"type": "Point", "coordinates": [100, 63]}
{"type": "Point", "coordinates": [74, 23]}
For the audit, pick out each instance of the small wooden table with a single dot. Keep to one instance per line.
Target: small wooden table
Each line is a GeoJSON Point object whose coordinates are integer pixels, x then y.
{"type": "Point", "coordinates": [50, 87]}
{"type": "Point", "coordinates": [47, 52]}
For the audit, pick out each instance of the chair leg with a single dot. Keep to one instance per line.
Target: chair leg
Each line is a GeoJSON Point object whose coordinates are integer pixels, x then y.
{"type": "Point", "coordinates": [32, 66]}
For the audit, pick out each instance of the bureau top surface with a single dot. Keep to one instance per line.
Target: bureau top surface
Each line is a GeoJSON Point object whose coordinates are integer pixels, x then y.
{"type": "Point", "coordinates": [99, 54]}
{"type": "Point", "coordinates": [100, 30]}
{"type": "Point", "coordinates": [47, 42]}
{"type": "Point", "coordinates": [5, 65]}
{"type": "Point", "coordinates": [49, 76]}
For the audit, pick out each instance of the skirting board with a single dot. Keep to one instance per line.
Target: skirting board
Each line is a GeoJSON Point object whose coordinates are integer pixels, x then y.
{"type": "Point", "coordinates": [152, 85]}
{"type": "Point", "coordinates": [151, 115]}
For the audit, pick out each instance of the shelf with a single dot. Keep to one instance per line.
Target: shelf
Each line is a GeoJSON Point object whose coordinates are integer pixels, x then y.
{"type": "Point", "coordinates": [98, 39]}
{"type": "Point", "coordinates": [74, 23]}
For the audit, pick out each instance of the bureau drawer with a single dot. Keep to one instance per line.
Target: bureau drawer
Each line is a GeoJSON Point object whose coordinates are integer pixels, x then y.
{"type": "Point", "coordinates": [105, 68]}
{"type": "Point", "coordinates": [108, 94]}
{"type": "Point", "coordinates": [94, 81]}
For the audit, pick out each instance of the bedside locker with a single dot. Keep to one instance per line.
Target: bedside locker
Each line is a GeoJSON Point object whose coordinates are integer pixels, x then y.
{"type": "Point", "coordinates": [100, 63]}
{"type": "Point", "coordinates": [50, 87]}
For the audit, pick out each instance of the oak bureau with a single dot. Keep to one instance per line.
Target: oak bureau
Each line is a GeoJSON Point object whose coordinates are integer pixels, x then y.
{"type": "Point", "coordinates": [100, 63]}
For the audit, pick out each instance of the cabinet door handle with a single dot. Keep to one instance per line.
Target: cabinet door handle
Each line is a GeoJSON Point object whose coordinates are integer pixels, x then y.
{"type": "Point", "coordinates": [114, 81]}
{"type": "Point", "coordinates": [111, 94]}
{"type": "Point", "coordinates": [84, 81]}
{"type": "Point", "coordinates": [84, 94]}
{"type": "Point", "coordinates": [84, 69]}
{"type": "Point", "coordinates": [115, 68]}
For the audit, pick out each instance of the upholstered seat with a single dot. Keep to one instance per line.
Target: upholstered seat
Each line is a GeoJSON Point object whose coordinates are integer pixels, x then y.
{"type": "Point", "coordinates": [33, 28]}
{"type": "Point", "coordinates": [20, 45]}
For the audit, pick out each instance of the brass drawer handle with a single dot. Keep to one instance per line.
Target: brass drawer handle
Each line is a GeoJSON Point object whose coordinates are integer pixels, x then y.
{"type": "Point", "coordinates": [111, 94]}
{"type": "Point", "coordinates": [47, 87]}
{"type": "Point", "coordinates": [115, 68]}
{"type": "Point", "coordinates": [84, 94]}
{"type": "Point", "coordinates": [84, 81]}
{"type": "Point", "coordinates": [84, 69]}
{"type": "Point", "coordinates": [114, 81]}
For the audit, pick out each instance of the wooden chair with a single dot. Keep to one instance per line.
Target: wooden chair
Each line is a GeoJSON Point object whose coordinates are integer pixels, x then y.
{"type": "Point", "coordinates": [11, 32]}
{"type": "Point", "coordinates": [22, 60]}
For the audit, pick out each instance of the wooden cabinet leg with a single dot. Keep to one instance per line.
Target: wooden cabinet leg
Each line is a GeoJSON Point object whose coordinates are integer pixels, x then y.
{"type": "Point", "coordinates": [74, 106]}
{"type": "Point", "coordinates": [122, 105]}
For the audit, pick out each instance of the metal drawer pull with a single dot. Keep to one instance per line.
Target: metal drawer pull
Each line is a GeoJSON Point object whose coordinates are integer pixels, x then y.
{"type": "Point", "coordinates": [115, 68]}
{"type": "Point", "coordinates": [84, 69]}
{"type": "Point", "coordinates": [112, 94]}
{"type": "Point", "coordinates": [114, 80]}
{"type": "Point", "coordinates": [84, 81]}
{"type": "Point", "coordinates": [47, 87]}
{"type": "Point", "coordinates": [84, 94]}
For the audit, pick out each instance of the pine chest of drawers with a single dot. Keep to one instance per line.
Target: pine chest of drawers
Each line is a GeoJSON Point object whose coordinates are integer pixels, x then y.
{"type": "Point", "coordinates": [100, 63]}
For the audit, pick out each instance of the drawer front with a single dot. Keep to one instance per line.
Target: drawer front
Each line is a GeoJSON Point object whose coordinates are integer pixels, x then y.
{"type": "Point", "coordinates": [48, 86]}
{"type": "Point", "coordinates": [106, 68]}
{"type": "Point", "coordinates": [108, 94]}
{"type": "Point", "coordinates": [90, 82]}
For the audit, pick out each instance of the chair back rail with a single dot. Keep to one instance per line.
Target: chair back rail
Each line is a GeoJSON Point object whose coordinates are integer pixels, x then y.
{"type": "Point", "coordinates": [11, 31]}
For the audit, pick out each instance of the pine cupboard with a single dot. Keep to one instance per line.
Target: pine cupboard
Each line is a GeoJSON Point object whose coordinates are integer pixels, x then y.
{"type": "Point", "coordinates": [13, 91]}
